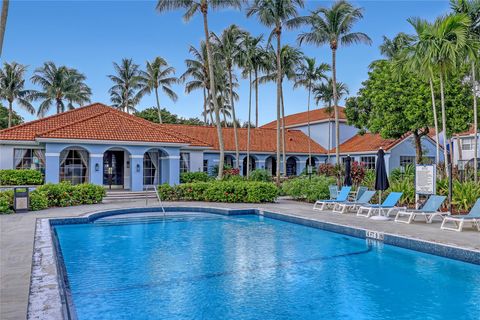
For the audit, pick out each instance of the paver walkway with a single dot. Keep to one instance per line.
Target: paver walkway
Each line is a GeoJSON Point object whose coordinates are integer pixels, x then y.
{"type": "Point", "coordinates": [17, 235]}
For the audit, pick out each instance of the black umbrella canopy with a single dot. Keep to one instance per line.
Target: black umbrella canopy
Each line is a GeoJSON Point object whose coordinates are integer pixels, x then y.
{"type": "Point", "coordinates": [348, 171]}
{"type": "Point", "coordinates": [381, 179]}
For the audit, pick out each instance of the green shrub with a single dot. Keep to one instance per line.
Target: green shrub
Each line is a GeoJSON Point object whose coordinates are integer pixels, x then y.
{"type": "Point", "coordinates": [303, 188]}
{"type": "Point", "coordinates": [64, 194]}
{"type": "Point", "coordinates": [187, 177]}
{"type": "Point", "coordinates": [260, 175]}
{"type": "Point", "coordinates": [465, 194]}
{"type": "Point", "coordinates": [220, 191]}
{"type": "Point", "coordinates": [407, 186]}
{"type": "Point", "coordinates": [6, 201]}
{"type": "Point", "coordinates": [20, 177]}
{"type": "Point", "coordinates": [38, 200]}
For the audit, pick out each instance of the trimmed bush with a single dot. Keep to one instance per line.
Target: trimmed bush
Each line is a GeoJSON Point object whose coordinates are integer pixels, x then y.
{"type": "Point", "coordinates": [6, 201]}
{"type": "Point", "coordinates": [20, 177]}
{"type": "Point", "coordinates": [303, 188]}
{"type": "Point", "coordinates": [188, 177]}
{"type": "Point", "coordinates": [220, 191]}
{"type": "Point", "coordinates": [260, 175]}
{"type": "Point", "coordinates": [38, 200]}
{"type": "Point", "coordinates": [64, 194]}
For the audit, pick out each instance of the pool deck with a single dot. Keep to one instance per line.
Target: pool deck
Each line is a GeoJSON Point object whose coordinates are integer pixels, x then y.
{"type": "Point", "coordinates": [17, 236]}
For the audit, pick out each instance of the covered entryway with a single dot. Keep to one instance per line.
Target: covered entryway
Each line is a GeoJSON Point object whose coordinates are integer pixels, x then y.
{"type": "Point", "coordinates": [116, 165]}
{"type": "Point", "coordinates": [252, 165]}
{"type": "Point", "coordinates": [271, 165]}
{"type": "Point", "coordinates": [291, 166]}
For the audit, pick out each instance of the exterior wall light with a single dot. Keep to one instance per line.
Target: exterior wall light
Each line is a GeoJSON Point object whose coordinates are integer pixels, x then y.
{"type": "Point", "coordinates": [97, 167]}
{"type": "Point", "coordinates": [138, 167]}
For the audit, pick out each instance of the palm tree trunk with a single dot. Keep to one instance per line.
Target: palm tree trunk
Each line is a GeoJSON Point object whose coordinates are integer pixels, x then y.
{"type": "Point", "coordinates": [444, 125]}
{"type": "Point", "coordinates": [284, 140]}
{"type": "Point", "coordinates": [475, 126]}
{"type": "Point", "coordinates": [3, 23]}
{"type": "Point", "coordinates": [158, 106]}
{"type": "Point", "coordinates": [213, 90]}
{"type": "Point", "coordinates": [59, 106]}
{"type": "Point", "coordinates": [435, 121]}
{"type": "Point", "coordinates": [224, 117]}
{"type": "Point", "coordinates": [329, 130]}
{"type": "Point", "coordinates": [249, 119]}
{"type": "Point", "coordinates": [279, 89]}
{"type": "Point", "coordinates": [204, 107]}
{"type": "Point", "coordinates": [235, 133]}
{"type": "Point", "coordinates": [10, 113]}
{"type": "Point", "coordinates": [256, 97]}
{"type": "Point", "coordinates": [308, 124]}
{"type": "Point", "coordinates": [335, 106]}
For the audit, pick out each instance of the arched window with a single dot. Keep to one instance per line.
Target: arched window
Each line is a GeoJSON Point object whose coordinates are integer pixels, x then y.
{"type": "Point", "coordinates": [291, 167]}
{"type": "Point", "coordinates": [74, 165]}
{"type": "Point", "coordinates": [252, 165]}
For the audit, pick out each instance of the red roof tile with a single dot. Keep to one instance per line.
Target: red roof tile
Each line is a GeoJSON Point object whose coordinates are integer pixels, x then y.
{"type": "Point", "coordinates": [302, 117]}
{"type": "Point", "coordinates": [366, 143]}
{"type": "Point", "coordinates": [262, 140]}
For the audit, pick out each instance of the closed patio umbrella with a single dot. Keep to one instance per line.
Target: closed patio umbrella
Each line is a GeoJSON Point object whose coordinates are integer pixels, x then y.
{"type": "Point", "coordinates": [348, 171]}
{"type": "Point", "coordinates": [381, 180]}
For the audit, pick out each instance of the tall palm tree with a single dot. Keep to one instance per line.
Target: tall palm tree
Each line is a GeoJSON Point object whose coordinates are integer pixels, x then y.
{"type": "Point", "coordinates": [197, 73]}
{"type": "Point", "coordinates": [323, 92]}
{"type": "Point", "coordinates": [126, 91]}
{"type": "Point", "coordinates": [276, 14]}
{"type": "Point", "coordinates": [390, 48]}
{"type": "Point", "coordinates": [444, 43]}
{"type": "Point", "coordinates": [414, 58]}
{"type": "Point", "coordinates": [202, 6]}
{"type": "Point", "coordinates": [291, 58]}
{"type": "Point", "coordinates": [249, 46]}
{"type": "Point", "coordinates": [472, 9]}
{"type": "Point", "coordinates": [307, 75]}
{"type": "Point", "coordinates": [3, 22]}
{"type": "Point", "coordinates": [12, 85]}
{"type": "Point", "coordinates": [228, 48]}
{"type": "Point", "coordinates": [259, 59]}
{"type": "Point", "coordinates": [59, 84]}
{"type": "Point", "coordinates": [159, 74]}
{"type": "Point", "coordinates": [333, 26]}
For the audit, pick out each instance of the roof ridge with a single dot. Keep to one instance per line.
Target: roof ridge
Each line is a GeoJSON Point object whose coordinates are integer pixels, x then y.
{"type": "Point", "coordinates": [52, 116]}
{"type": "Point", "coordinates": [73, 122]}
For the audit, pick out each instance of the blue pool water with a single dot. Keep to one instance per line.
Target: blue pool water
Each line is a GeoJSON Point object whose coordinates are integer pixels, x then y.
{"type": "Point", "coordinates": [249, 267]}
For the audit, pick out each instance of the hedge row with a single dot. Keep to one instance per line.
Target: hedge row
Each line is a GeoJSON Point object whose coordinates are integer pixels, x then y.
{"type": "Point", "coordinates": [220, 191]}
{"type": "Point", "coordinates": [56, 195]}
{"type": "Point", "coordinates": [304, 188]}
{"type": "Point", "coordinates": [20, 177]}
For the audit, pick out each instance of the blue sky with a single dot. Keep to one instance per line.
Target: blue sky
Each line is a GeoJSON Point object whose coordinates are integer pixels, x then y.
{"type": "Point", "coordinates": [90, 35]}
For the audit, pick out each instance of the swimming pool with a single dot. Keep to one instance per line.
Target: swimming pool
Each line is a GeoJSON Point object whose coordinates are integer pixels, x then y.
{"type": "Point", "coordinates": [208, 266]}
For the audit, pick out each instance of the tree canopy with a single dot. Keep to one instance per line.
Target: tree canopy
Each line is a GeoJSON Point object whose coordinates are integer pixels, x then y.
{"type": "Point", "coordinates": [151, 114]}
{"type": "Point", "coordinates": [16, 118]}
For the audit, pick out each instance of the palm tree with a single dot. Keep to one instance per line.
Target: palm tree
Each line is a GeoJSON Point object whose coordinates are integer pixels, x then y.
{"type": "Point", "coordinates": [390, 48]}
{"type": "Point", "coordinates": [193, 6]}
{"type": "Point", "coordinates": [228, 48]}
{"type": "Point", "coordinates": [3, 23]}
{"type": "Point", "coordinates": [333, 26]}
{"type": "Point", "coordinates": [58, 84]}
{"type": "Point", "coordinates": [415, 59]}
{"type": "Point", "coordinates": [126, 91]}
{"type": "Point", "coordinates": [276, 14]}
{"type": "Point", "coordinates": [159, 75]}
{"type": "Point", "coordinates": [259, 60]}
{"type": "Point", "coordinates": [291, 58]}
{"type": "Point", "coordinates": [12, 84]}
{"type": "Point", "coordinates": [324, 92]}
{"type": "Point", "coordinates": [197, 73]}
{"type": "Point", "coordinates": [307, 74]}
{"type": "Point", "coordinates": [248, 47]}
{"type": "Point", "coordinates": [472, 9]}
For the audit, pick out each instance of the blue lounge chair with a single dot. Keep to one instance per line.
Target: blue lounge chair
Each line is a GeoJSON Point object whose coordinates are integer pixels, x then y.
{"type": "Point", "coordinates": [333, 192]}
{"type": "Point", "coordinates": [388, 206]}
{"type": "Point", "coordinates": [429, 210]}
{"type": "Point", "coordinates": [459, 220]}
{"type": "Point", "coordinates": [342, 207]}
{"type": "Point", "coordinates": [324, 204]}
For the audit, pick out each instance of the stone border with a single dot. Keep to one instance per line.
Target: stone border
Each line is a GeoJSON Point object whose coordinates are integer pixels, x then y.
{"type": "Point", "coordinates": [49, 296]}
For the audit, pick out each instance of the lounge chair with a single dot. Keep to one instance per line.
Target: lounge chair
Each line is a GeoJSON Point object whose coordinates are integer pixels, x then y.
{"type": "Point", "coordinates": [333, 192]}
{"type": "Point", "coordinates": [459, 220]}
{"type": "Point", "coordinates": [343, 207]}
{"type": "Point", "coordinates": [429, 211]}
{"type": "Point", "coordinates": [355, 195]}
{"type": "Point", "coordinates": [387, 206]}
{"type": "Point", "coordinates": [324, 204]}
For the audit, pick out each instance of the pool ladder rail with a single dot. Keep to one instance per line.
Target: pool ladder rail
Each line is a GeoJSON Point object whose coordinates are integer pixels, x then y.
{"type": "Point", "coordinates": [158, 198]}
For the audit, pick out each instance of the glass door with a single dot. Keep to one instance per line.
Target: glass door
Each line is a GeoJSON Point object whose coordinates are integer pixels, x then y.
{"type": "Point", "coordinates": [113, 169]}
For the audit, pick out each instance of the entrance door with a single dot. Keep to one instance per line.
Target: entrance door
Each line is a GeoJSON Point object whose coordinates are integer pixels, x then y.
{"type": "Point", "coordinates": [113, 169]}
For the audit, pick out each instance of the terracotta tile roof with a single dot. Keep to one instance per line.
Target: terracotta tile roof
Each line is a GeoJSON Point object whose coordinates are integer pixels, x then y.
{"type": "Point", "coordinates": [369, 142]}
{"type": "Point", "coordinates": [469, 132]}
{"type": "Point", "coordinates": [96, 122]}
{"type": "Point", "coordinates": [302, 117]}
{"type": "Point", "coordinates": [262, 140]}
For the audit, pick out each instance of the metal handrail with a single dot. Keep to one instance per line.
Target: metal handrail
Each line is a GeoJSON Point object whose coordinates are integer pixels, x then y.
{"type": "Point", "coordinates": [158, 197]}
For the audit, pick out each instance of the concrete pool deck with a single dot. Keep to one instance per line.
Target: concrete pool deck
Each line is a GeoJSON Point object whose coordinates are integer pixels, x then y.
{"type": "Point", "coordinates": [17, 237]}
